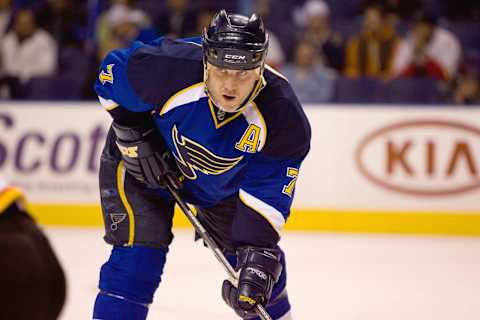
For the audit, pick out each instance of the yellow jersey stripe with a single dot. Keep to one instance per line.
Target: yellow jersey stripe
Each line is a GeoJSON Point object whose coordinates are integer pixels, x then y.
{"type": "Point", "coordinates": [221, 124]}
{"type": "Point", "coordinates": [121, 191]}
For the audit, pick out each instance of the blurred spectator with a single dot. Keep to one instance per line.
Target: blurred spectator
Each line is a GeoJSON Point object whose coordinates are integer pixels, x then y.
{"type": "Point", "coordinates": [275, 55]}
{"type": "Point", "coordinates": [121, 24]}
{"type": "Point", "coordinates": [467, 89]}
{"type": "Point", "coordinates": [203, 20]}
{"type": "Point", "coordinates": [428, 51]}
{"type": "Point", "coordinates": [313, 22]}
{"type": "Point", "coordinates": [404, 9]}
{"type": "Point", "coordinates": [27, 52]}
{"type": "Point", "coordinates": [371, 52]}
{"type": "Point", "coordinates": [178, 20]}
{"type": "Point", "coordinates": [5, 16]}
{"type": "Point", "coordinates": [64, 19]}
{"type": "Point", "coordinates": [311, 81]}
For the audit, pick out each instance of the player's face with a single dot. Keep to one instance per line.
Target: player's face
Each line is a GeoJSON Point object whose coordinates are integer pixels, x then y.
{"type": "Point", "coordinates": [229, 88]}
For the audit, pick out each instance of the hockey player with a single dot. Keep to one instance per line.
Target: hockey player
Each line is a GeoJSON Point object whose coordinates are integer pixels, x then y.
{"type": "Point", "coordinates": [32, 282]}
{"type": "Point", "coordinates": [234, 136]}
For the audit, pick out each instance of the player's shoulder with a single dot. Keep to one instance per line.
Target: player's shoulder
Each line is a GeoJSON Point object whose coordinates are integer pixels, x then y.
{"type": "Point", "coordinates": [288, 129]}
{"type": "Point", "coordinates": [144, 76]}
{"type": "Point", "coordinates": [9, 194]}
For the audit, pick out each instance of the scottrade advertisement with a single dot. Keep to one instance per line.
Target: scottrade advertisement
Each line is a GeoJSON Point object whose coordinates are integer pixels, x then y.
{"type": "Point", "coordinates": [52, 151]}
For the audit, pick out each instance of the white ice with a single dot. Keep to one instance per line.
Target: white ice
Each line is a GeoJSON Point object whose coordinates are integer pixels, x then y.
{"type": "Point", "coordinates": [331, 277]}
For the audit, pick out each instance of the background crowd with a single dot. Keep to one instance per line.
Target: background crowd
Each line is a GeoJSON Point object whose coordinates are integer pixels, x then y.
{"type": "Point", "coordinates": [346, 51]}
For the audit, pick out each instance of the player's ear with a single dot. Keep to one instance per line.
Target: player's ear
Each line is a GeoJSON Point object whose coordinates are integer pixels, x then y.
{"type": "Point", "coordinates": [258, 72]}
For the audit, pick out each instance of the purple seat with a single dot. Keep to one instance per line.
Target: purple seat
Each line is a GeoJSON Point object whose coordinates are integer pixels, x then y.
{"type": "Point", "coordinates": [413, 91]}
{"type": "Point", "coordinates": [361, 90]}
{"type": "Point", "coordinates": [53, 88]}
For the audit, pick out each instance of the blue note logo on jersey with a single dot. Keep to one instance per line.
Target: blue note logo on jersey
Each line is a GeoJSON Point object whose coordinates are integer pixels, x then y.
{"type": "Point", "coordinates": [192, 156]}
{"type": "Point", "coordinates": [105, 77]}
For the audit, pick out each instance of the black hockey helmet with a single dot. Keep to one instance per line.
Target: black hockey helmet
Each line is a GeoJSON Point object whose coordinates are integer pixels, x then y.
{"type": "Point", "coordinates": [235, 41]}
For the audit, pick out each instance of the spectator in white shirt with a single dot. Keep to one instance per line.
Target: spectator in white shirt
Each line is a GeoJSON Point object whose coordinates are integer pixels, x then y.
{"type": "Point", "coordinates": [27, 52]}
{"type": "Point", "coordinates": [313, 25]}
{"type": "Point", "coordinates": [428, 51]}
{"type": "Point", "coordinates": [118, 26]}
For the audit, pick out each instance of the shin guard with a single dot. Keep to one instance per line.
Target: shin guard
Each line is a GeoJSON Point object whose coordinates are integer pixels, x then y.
{"type": "Point", "coordinates": [128, 281]}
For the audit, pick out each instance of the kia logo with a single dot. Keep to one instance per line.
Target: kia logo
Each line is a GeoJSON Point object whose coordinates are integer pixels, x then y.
{"type": "Point", "coordinates": [422, 157]}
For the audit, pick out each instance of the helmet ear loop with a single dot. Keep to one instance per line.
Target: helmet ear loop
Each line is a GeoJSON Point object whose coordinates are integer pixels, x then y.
{"type": "Point", "coordinates": [259, 85]}
{"type": "Point", "coordinates": [205, 76]}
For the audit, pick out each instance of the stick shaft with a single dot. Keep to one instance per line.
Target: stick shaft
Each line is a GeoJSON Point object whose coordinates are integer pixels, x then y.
{"type": "Point", "coordinates": [261, 312]}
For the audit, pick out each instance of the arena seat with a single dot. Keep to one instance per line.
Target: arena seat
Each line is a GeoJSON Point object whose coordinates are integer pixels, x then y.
{"type": "Point", "coordinates": [360, 90]}
{"type": "Point", "coordinates": [414, 90]}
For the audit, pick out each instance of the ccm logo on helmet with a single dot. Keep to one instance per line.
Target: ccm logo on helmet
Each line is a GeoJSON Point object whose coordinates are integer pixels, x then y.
{"type": "Point", "coordinates": [235, 57]}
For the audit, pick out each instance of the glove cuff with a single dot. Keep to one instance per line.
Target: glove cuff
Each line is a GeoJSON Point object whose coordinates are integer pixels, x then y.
{"type": "Point", "coordinates": [131, 134]}
{"type": "Point", "coordinates": [265, 258]}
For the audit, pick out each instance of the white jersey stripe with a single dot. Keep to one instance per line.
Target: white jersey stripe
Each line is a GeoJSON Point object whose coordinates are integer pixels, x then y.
{"type": "Point", "coordinates": [272, 215]}
{"type": "Point", "coordinates": [253, 116]}
{"type": "Point", "coordinates": [107, 103]}
{"type": "Point", "coordinates": [287, 316]}
{"type": "Point", "coordinates": [190, 94]}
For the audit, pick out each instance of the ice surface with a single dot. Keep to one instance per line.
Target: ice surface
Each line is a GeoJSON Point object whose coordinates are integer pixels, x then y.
{"type": "Point", "coordinates": [331, 277]}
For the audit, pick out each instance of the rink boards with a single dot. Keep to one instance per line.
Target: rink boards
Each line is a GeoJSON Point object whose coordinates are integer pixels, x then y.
{"type": "Point", "coordinates": [378, 168]}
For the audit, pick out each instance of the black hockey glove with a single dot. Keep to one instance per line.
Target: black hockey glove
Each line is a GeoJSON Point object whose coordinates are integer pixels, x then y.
{"type": "Point", "coordinates": [146, 156]}
{"type": "Point", "coordinates": [260, 269]}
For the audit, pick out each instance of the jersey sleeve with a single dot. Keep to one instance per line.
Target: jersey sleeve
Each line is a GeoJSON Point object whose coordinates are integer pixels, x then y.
{"type": "Point", "coordinates": [135, 81]}
{"type": "Point", "coordinates": [268, 188]}
{"type": "Point", "coordinates": [112, 84]}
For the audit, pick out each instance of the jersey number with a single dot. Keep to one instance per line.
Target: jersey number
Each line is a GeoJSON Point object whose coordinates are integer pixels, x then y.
{"type": "Point", "coordinates": [288, 189]}
{"type": "Point", "coordinates": [250, 140]}
{"type": "Point", "coordinates": [105, 77]}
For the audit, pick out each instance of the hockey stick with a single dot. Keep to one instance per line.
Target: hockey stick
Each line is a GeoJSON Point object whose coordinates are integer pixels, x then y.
{"type": "Point", "coordinates": [260, 310]}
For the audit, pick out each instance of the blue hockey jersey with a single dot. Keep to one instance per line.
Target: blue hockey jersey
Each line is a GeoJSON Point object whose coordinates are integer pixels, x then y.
{"type": "Point", "coordinates": [254, 153]}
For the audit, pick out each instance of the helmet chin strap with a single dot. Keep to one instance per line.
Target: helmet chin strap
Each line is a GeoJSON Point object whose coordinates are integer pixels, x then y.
{"type": "Point", "coordinates": [259, 85]}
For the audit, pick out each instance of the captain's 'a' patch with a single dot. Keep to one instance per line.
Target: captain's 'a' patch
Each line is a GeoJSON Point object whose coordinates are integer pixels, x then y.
{"type": "Point", "coordinates": [192, 156]}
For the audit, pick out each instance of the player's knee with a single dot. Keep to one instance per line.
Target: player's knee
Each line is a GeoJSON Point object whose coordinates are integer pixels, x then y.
{"type": "Point", "coordinates": [133, 272]}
